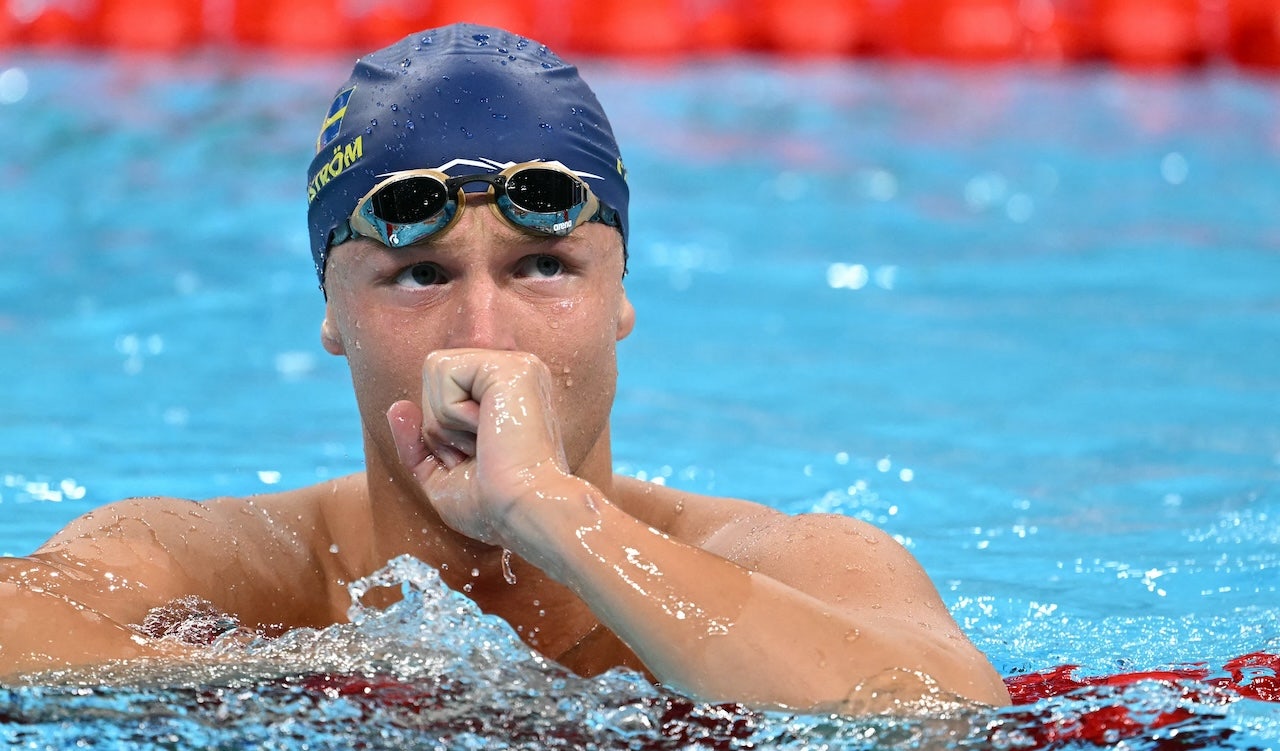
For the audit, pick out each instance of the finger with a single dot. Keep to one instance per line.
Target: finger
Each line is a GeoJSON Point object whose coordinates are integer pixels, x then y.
{"type": "Point", "coordinates": [447, 390]}
{"type": "Point", "coordinates": [404, 418]}
{"type": "Point", "coordinates": [448, 456]}
{"type": "Point", "coordinates": [462, 441]}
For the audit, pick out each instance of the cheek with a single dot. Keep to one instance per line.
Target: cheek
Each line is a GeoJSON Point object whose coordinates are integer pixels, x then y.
{"type": "Point", "coordinates": [578, 337]}
{"type": "Point", "coordinates": [584, 366]}
{"type": "Point", "coordinates": [385, 363]}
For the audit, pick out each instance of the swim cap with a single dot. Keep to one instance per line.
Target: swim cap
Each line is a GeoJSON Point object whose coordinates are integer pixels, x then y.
{"type": "Point", "coordinates": [464, 98]}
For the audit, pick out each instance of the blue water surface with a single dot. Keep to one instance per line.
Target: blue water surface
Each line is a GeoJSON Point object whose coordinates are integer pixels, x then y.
{"type": "Point", "coordinates": [1026, 320]}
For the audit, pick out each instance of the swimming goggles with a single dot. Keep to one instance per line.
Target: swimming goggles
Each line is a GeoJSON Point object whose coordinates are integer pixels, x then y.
{"type": "Point", "coordinates": [543, 198]}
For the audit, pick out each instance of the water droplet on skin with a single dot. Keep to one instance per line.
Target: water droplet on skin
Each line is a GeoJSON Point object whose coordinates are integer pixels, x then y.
{"type": "Point", "coordinates": [851, 635]}
{"type": "Point", "coordinates": [507, 573]}
{"type": "Point", "coordinates": [568, 383]}
{"type": "Point", "coordinates": [334, 548]}
{"type": "Point", "coordinates": [475, 572]}
{"type": "Point", "coordinates": [467, 587]}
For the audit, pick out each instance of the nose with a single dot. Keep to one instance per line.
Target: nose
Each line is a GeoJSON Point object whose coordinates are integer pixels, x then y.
{"type": "Point", "coordinates": [481, 317]}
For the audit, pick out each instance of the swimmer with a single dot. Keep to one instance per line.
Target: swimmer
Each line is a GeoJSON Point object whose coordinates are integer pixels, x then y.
{"type": "Point", "coordinates": [468, 213]}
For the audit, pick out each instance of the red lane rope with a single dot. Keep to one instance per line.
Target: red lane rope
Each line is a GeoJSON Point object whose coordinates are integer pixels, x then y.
{"type": "Point", "coordinates": [1252, 676]}
{"type": "Point", "coordinates": [1133, 33]}
{"type": "Point", "coordinates": [1194, 724]}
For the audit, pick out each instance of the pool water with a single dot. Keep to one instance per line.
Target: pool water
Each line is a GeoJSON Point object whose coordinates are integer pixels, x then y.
{"type": "Point", "coordinates": [1026, 320]}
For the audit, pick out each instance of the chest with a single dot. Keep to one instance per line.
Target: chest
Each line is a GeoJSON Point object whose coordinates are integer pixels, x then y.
{"type": "Point", "coordinates": [557, 623]}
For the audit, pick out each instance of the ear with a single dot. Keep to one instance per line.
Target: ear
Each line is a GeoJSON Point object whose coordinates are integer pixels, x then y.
{"type": "Point", "coordinates": [329, 336]}
{"type": "Point", "coordinates": [626, 317]}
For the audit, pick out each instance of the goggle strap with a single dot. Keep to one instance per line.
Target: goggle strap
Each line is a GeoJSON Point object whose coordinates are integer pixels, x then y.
{"type": "Point", "coordinates": [606, 215]}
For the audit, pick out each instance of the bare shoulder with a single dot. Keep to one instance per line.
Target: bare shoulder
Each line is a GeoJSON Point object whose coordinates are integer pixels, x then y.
{"type": "Point", "coordinates": [824, 554]}
{"type": "Point", "coordinates": [163, 521]}
{"type": "Point", "coordinates": [237, 552]}
{"type": "Point", "coordinates": [689, 517]}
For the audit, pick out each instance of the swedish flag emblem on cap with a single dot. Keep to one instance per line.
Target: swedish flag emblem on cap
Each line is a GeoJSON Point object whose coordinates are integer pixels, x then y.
{"type": "Point", "coordinates": [331, 128]}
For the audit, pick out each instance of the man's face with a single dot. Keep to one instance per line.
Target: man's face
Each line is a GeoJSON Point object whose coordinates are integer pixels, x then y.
{"type": "Point", "coordinates": [483, 284]}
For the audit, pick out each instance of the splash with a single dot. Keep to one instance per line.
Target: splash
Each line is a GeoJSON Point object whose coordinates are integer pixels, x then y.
{"type": "Point", "coordinates": [432, 671]}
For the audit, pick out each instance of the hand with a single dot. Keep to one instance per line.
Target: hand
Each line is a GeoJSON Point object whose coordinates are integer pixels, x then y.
{"type": "Point", "coordinates": [484, 440]}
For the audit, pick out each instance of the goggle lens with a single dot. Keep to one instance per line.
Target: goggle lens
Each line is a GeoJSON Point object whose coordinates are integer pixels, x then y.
{"type": "Point", "coordinates": [545, 191]}
{"type": "Point", "coordinates": [409, 201]}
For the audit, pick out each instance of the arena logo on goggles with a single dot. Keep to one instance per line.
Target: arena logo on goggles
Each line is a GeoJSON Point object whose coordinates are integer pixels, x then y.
{"type": "Point", "coordinates": [343, 159]}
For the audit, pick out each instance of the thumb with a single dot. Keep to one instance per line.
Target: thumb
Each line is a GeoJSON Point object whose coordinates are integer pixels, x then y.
{"type": "Point", "coordinates": [405, 420]}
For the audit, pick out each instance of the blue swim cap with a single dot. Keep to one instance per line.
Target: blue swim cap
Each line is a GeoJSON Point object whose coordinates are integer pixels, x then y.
{"type": "Point", "coordinates": [467, 98]}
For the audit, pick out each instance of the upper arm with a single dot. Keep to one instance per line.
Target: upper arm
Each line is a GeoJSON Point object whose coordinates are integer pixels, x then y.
{"type": "Point", "coordinates": [128, 557]}
{"type": "Point", "coordinates": [861, 574]}
{"type": "Point", "coordinates": [124, 558]}
{"type": "Point", "coordinates": [859, 581]}
{"type": "Point", "coordinates": [849, 565]}
{"type": "Point", "coordinates": [79, 598]}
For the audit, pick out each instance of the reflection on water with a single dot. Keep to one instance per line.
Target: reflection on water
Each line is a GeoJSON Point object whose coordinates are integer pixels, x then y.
{"type": "Point", "coordinates": [433, 672]}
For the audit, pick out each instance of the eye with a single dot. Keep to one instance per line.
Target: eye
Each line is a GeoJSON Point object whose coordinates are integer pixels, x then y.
{"type": "Point", "coordinates": [541, 265]}
{"type": "Point", "coordinates": [421, 275]}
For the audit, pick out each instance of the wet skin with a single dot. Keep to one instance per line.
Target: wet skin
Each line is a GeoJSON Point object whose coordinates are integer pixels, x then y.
{"type": "Point", "coordinates": [484, 368]}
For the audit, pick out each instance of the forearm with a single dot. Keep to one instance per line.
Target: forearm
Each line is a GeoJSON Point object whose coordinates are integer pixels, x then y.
{"type": "Point", "coordinates": [716, 631]}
